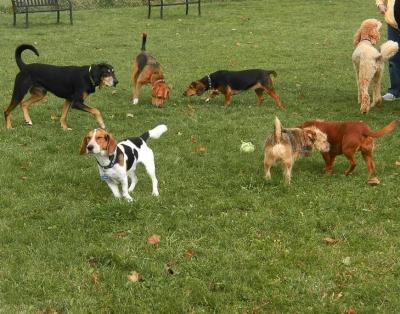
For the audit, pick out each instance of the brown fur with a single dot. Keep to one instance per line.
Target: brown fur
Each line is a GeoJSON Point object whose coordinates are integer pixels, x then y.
{"type": "Point", "coordinates": [347, 138]}
{"type": "Point", "coordinates": [149, 73]}
{"type": "Point", "coordinates": [287, 145]}
{"type": "Point", "coordinates": [105, 140]}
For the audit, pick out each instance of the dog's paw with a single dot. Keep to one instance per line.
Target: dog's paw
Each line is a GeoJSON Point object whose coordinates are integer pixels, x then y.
{"type": "Point", "coordinates": [373, 181]}
{"type": "Point", "coordinates": [135, 101]}
{"type": "Point", "coordinates": [155, 193]}
{"type": "Point", "coordinates": [28, 123]}
{"type": "Point", "coordinates": [207, 100]}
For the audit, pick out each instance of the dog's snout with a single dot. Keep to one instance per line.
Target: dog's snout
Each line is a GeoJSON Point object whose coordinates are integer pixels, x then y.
{"type": "Point", "coordinates": [115, 82]}
{"type": "Point", "coordinates": [89, 148]}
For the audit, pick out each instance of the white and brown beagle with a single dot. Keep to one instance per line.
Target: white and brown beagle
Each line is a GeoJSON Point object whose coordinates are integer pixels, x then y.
{"type": "Point", "coordinates": [118, 161]}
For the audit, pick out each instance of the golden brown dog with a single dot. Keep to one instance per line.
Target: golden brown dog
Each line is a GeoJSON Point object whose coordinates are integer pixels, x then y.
{"type": "Point", "coordinates": [369, 62]}
{"type": "Point", "coordinates": [146, 70]}
{"type": "Point", "coordinates": [287, 145]}
{"type": "Point", "coordinates": [348, 137]}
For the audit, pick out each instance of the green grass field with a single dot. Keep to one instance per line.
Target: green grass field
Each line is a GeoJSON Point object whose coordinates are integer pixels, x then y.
{"type": "Point", "coordinates": [257, 246]}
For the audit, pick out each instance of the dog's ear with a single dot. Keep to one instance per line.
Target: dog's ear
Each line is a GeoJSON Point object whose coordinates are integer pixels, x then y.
{"type": "Point", "coordinates": [95, 74]}
{"type": "Point", "coordinates": [311, 136]}
{"type": "Point", "coordinates": [374, 35]}
{"type": "Point", "coordinates": [111, 143]}
{"type": "Point", "coordinates": [84, 143]}
{"type": "Point", "coordinates": [357, 37]}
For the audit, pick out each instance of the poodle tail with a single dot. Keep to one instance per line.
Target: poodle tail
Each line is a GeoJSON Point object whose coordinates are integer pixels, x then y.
{"type": "Point", "coordinates": [277, 130]}
{"type": "Point", "coordinates": [389, 49]}
{"type": "Point", "coordinates": [385, 130]}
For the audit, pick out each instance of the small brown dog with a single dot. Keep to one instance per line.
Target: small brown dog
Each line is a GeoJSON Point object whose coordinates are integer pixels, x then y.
{"type": "Point", "coordinates": [347, 138]}
{"type": "Point", "coordinates": [146, 70]}
{"type": "Point", "coordinates": [287, 145]}
{"type": "Point", "coordinates": [230, 83]}
{"type": "Point", "coordinates": [369, 62]}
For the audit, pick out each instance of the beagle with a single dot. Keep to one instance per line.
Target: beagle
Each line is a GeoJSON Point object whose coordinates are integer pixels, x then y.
{"type": "Point", "coordinates": [118, 161]}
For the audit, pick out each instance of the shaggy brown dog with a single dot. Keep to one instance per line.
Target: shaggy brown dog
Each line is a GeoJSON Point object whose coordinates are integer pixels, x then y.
{"type": "Point", "coordinates": [287, 145]}
{"type": "Point", "coordinates": [369, 62]}
{"type": "Point", "coordinates": [347, 138]}
{"type": "Point", "coordinates": [146, 70]}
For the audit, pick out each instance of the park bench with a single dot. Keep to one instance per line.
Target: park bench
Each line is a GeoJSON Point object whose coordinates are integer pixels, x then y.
{"type": "Point", "coordinates": [164, 3]}
{"type": "Point", "coordinates": [34, 6]}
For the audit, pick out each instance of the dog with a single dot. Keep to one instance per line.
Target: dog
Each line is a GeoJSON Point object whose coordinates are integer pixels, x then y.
{"type": "Point", "coordinates": [287, 145]}
{"type": "Point", "coordinates": [72, 83]}
{"type": "Point", "coordinates": [118, 161]}
{"type": "Point", "coordinates": [229, 83]}
{"type": "Point", "coordinates": [347, 138]}
{"type": "Point", "coordinates": [369, 62]}
{"type": "Point", "coordinates": [146, 70]}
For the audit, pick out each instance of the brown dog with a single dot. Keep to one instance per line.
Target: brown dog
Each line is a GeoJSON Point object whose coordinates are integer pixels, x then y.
{"type": "Point", "coordinates": [230, 83]}
{"type": "Point", "coordinates": [146, 70]}
{"type": "Point", "coordinates": [347, 138]}
{"type": "Point", "coordinates": [287, 145]}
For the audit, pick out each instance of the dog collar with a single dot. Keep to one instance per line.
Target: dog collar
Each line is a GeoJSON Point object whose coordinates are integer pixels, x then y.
{"type": "Point", "coordinates": [90, 77]}
{"type": "Point", "coordinates": [113, 159]}
{"type": "Point", "coordinates": [159, 81]}
{"type": "Point", "coordinates": [209, 81]}
{"type": "Point", "coordinates": [366, 39]}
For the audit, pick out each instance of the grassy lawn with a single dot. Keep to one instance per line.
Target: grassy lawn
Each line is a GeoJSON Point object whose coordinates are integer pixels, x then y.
{"type": "Point", "coordinates": [257, 246]}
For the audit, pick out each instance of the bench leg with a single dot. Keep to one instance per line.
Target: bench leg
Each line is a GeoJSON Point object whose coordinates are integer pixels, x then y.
{"type": "Point", "coordinates": [26, 20]}
{"type": "Point", "coordinates": [149, 9]}
{"type": "Point", "coordinates": [199, 8]}
{"type": "Point", "coordinates": [15, 19]}
{"type": "Point", "coordinates": [162, 9]}
{"type": "Point", "coordinates": [187, 7]}
{"type": "Point", "coordinates": [70, 16]}
{"type": "Point", "coordinates": [58, 17]}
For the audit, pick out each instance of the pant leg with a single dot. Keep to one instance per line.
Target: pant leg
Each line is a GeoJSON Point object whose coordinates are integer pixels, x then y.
{"type": "Point", "coordinates": [394, 64]}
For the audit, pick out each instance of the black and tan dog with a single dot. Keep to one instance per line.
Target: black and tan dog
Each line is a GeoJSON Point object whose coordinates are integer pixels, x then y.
{"type": "Point", "coordinates": [146, 70]}
{"type": "Point", "coordinates": [72, 83]}
{"type": "Point", "coordinates": [229, 83]}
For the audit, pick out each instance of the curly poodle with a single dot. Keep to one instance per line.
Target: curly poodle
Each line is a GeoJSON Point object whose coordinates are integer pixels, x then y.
{"type": "Point", "coordinates": [369, 62]}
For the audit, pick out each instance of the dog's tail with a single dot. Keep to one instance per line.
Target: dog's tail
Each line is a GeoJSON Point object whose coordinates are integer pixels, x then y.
{"type": "Point", "coordinates": [21, 64]}
{"type": "Point", "coordinates": [144, 38]}
{"type": "Point", "coordinates": [154, 133]}
{"type": "Point", "coordinates": [278, 149]}
{"type": "Point", "coordinates": [385, 130]}
{"type": "Point", "coordinates": [389, 49]}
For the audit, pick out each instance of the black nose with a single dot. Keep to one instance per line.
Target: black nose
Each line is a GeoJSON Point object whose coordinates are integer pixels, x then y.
{"type": "Point", "coordinates": [115, 82]}
{"type": "Point", "coordinates": [89, 148]}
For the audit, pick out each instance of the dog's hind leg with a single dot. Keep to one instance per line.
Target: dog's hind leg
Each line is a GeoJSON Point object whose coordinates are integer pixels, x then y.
{"type": "Point", "coordinates": [366, 150]}
{"type": "Point", "coordinates": [64, 114]}
{"type": "Point", "coordinates": [365, 76]}
{"type": "Point", "coordinates": [37, 94]}
{"type": "Point", "coordinates": [134, 180]}
{"type": "Point", "coordinates": [21, 86]}
{"type": "Point", "coordinates": [147, 159]}
{"type": "Point", "coordinates": [134, 79]}
{"type": "Point", "coordinates": [287, 170]}
{"type": "Point", "coordinates": [267, 168]}
{"type": "Point", "coordinates": [271, 92]}
{"type": "Point", "coordinates": [376, 87]}
{"type": "Point", "coordinates": [357, 69]}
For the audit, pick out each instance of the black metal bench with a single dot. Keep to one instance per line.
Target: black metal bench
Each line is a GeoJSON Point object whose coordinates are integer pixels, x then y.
{"type": "Point", "coordinates": [163, 3]}
{"type": "Point", "coordinates": [34, 6]}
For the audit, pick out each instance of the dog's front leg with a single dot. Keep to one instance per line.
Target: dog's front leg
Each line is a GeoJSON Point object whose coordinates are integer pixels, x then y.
{"type": "Point", "coordinates": [114, 188]}
{"type": "Point", "coordinates": [124, 188]}
{"type": "Point", "coordinates": [81, 106]}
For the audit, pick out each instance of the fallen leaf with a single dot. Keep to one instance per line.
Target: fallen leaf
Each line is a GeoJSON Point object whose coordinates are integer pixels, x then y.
{"type": "Point", "coordinates": [351, 310]}
{"type": "Point", "coordinates": [95, 279]}
{"type": "Point", "coordinates": [121, 233]}
{"type": "Point", "coordinates": [24, 178]}
{"type": "Point", "coordinates": [238, 44]}
{"type": "Point", "coordinates": [92, 262]}
{"type": "Point", "coordinates": [169, 268]}
{"type": "Point", "coordinates": [154, 239]}
{"type": "Point", "coordinates": [201, 150]}
{"type": "Point", "coordinates": [339, 296]}
{"type": "Point", "coordinates": [134, 276]}
{"type": "Point", "coordinates": [397, 163]}
{"type": "Point", "coordinates": [113, 92]}
{"type": "Point", "coordinates": [189, 253]}
{"type": "Point", "coordinates": [330, 241]}
{"type": "Point", "coordinates": [129, 115]}
{"type": "Point", "coordinates": [346, 261]}
{"type": "Point", "coordinates": [53, 118]}
{"type": "Point", "coordinates": [193, 139]}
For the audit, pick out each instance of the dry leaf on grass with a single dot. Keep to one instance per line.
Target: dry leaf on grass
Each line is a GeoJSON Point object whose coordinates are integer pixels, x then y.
{"type": "Point", "coordinates": [134, 276]}
{"type": "Point", "coordinates": [193, 139]}
{"type": "Point", "coordinates": [114, 92]}
{"type": "Point", "coordinates": [154, 239]}
{"type": "Point", "coordinates": [397, 163]}
{"type": "Point", "coordinates": [121, 233]}
{"type": "Point", "coordinates": [170, 268]}
{"type": "Point", "coordinates": [53, 118]}
{"type": "Point", "coordinates": [189, 253]}
{"type": "Point", "coordinates": [201, 150]}
{"type": "Point", "coordinates": [330, 241]}
{"type": "Point", "coordinates": [95, 279]}
{"type": "Point", "coordinates": [351, 310]}
{"type": "Point", "coordinates": [129, 115]}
